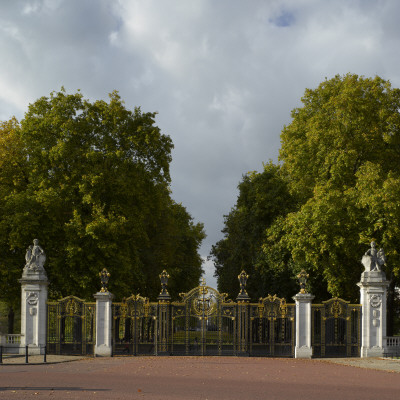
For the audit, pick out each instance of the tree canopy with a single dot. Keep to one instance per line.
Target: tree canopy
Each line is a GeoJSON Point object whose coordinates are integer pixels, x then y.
{"type": "Point", "coordinates": [262, 198]}
{"type": "Point", "coordinates": [344, 138]}
{"type": "Point", "coordinates": [91, 180]}
{"type": "Point", "coordinates": [340, 159]}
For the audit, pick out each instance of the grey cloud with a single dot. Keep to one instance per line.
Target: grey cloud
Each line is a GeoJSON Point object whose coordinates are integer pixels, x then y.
{"type": "Point", "coordinates": [223, 75]}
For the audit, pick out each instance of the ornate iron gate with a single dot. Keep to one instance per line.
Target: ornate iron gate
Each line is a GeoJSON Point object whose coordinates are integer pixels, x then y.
{"type": "Point", "coordinates": [336, 329]}
{"type": "Point", "coordinates": [272, 328]}
{"type": "Point", "coordinates": [135, 326]}
{"type": "Point", "coordinates": [203, 323]}
{"type": "Point", "coordinates": [71, 324]}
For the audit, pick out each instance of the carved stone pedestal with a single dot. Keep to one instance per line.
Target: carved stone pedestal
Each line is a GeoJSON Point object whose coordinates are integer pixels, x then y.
{"type": "Point", "coordinates": [373, 288]}
{"type": "Point", "coordinates": [34, 284]}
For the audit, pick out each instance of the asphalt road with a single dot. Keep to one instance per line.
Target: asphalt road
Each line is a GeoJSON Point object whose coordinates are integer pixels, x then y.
{"type": "Point", "coordinates": [201, 378]}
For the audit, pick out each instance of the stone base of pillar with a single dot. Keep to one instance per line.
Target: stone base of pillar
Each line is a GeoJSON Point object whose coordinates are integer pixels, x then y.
{"type": "Point", "coordinates": [103, 351]}
{"type": "Point", "coordinates": [372, 351]}
{"type": "Point", "coordinates": [33, 350]}
{"type": "Point", "coordinates": [303, 352]}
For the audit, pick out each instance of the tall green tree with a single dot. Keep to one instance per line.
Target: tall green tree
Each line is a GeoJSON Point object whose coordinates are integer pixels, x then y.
{"type": "Point", "coordinates": [91, 180]}
{"type": "Point", "coordinates": [262, 198]}
{"type": "Point", "coordinates": [341, 153]}
{"type": "Point", "coordinates": [340, 165]}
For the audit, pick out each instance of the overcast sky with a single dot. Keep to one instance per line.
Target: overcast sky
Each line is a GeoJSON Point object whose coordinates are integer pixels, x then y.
{"type": "Point", "coordinates": [222, 74]}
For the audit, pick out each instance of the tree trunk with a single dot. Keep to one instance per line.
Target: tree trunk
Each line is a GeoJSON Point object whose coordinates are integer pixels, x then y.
{"type": "Point", "coordinates": [10, 329]}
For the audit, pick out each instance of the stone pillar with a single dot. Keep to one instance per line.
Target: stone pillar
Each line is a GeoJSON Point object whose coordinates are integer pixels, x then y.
{"type": "Point", "coordinates": [303, 347]}
{"type": "Point", "coordinates": [103, 346]}
{"type": "Point", "coordinates": [34, 284]}
{"type": "Point", "coordinates": [373, 290]}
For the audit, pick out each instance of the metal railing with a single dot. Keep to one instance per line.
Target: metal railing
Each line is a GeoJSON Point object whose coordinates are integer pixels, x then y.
{"type": "Point", "coordinates": [43, 348]}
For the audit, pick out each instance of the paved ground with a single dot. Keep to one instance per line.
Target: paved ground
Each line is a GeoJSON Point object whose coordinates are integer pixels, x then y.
{"type": "Point", "coordinates": [200, 378]}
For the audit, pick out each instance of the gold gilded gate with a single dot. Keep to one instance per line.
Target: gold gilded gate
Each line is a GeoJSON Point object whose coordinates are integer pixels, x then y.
{"type": "Point", "coordinates": [134, 326]}
{"type": "Point", "coordinates": [203, 323]}
{"type": "Point", "coordinates": [272, 327]}
{"type": "Point", "coordinates": [336, 329]}
{"type": "Point", "coordinates": [71, 326]}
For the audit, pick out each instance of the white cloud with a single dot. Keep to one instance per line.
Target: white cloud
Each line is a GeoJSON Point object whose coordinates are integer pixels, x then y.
{"type": "Point", "coordinates": [114, 38]}
{"type": "Point", "coordinates": [41, 6]}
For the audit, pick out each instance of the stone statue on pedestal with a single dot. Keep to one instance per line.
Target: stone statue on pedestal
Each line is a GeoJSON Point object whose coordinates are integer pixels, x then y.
{"type": "Point", "coordinates": [35, 257]}
{"type": "Point", "coordinates": [373, 260]}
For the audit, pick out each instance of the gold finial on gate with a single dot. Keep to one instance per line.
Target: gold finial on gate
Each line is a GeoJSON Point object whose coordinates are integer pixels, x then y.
{"type": "Point", "coordinates": [104, 277]}
{"type": "Point", "coordinates": [243, 295]}
{"type": "Point", "coordinates": [302, 277]}
{"type": "Point", "coordinates": [164, 295]}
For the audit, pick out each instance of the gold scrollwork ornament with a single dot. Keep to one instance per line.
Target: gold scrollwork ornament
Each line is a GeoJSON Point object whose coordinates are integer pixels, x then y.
{"type": "Point", "coordinates": [72, 307]}
{"type": "Point", "coordinates": [336, 309]}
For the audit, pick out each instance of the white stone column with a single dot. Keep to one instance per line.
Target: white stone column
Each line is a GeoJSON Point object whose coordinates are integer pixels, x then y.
{"type": "Point", "coordinates": [103, 346]}
{"type": "Point", "coordinates": [373, 293]}
{"type": "Point", "coordinates": [303, 347]}
{"type": "Point", "coordinates": [34, 284]}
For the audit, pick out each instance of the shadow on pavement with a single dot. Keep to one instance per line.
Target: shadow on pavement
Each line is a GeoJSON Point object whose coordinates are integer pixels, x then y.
{"type": "Point", "coordinates": [53, 388]}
